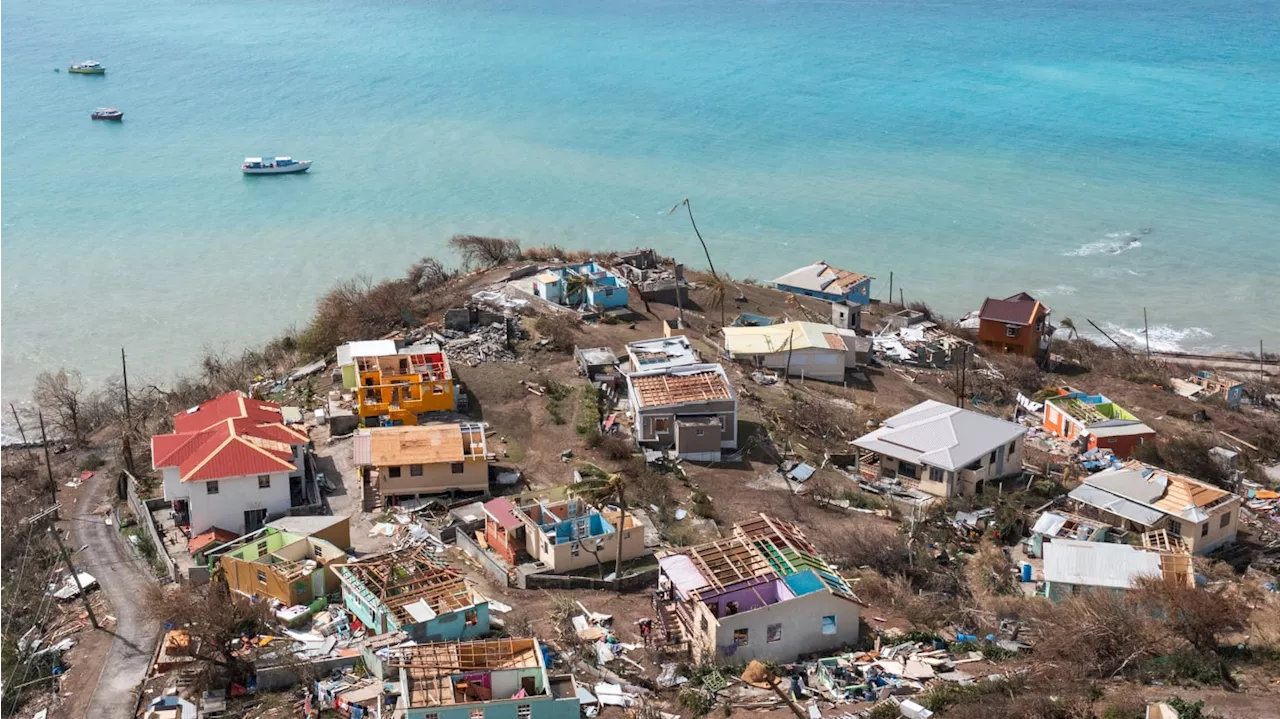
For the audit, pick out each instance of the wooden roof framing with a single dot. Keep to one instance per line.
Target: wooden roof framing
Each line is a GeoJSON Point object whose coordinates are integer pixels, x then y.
{"type": "Point", "coordinates": [1161, 541]}
{"type": "Point", "coordinates": [403, 577]}
{"type": "Point", "coordinates": [728, 561]}
{"type": "Point", "coordinates": [430, 667]}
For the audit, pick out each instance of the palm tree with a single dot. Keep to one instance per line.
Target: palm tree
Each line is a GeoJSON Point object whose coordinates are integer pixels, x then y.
{"type": "Point", "coordinates": [1070, 326]}
{"type": "Point", "coordinates": [719, 289]}
{"type": "Point", "coordinates": [575, 284]}
{"type": "Point", "coordinates": [706, 252]}
{"type": "Point", "coordinates": [599, 488]}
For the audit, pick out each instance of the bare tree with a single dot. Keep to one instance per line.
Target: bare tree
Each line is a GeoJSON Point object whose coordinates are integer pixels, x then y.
{"type": "Point", "coordinates": [428, 274]}
{"type": "Point", "coordinates": [477, 251]}
{"type": "Point", "coordinates": [63, 393]}
{"type": "Point", "coordinates": [216, 620]}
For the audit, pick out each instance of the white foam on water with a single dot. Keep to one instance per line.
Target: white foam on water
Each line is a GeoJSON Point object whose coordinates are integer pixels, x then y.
{"type": "Point", "coordinates": [1163, 337]}
{"type": "Point", "coordinates": [1113, 243]}
{"type": "Point", "coordinates": [1055, 291]}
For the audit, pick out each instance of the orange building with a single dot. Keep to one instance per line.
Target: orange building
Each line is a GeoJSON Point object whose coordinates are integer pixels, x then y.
{"type": "Point", "coordinates": [1015, 325]}
{"type": "Point", "coordinates": [396, 389]}
{"type": "Point", "coordinates": [1094, 422]}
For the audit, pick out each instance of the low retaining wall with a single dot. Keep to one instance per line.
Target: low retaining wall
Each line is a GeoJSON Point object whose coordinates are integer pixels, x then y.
{"type": "Point", "coordinates": [283, 676]}
{"type": "Point", "coordinates": [491, 565]}
{"type": "Point", "coordinates": [630, 583]}
{"type": "Point", "coordinates": [142, 512]}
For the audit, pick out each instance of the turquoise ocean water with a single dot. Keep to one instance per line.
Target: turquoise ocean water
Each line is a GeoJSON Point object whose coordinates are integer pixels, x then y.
{"type": "Point", "coordinates": [1103, 154]}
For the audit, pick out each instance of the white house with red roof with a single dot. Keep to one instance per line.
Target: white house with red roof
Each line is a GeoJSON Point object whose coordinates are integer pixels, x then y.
{"type": "Point", "coordinates": [228, 464]}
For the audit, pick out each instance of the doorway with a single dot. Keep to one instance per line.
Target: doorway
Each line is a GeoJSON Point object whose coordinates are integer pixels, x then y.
{"type": "Point", "coordinates": [254, 519]}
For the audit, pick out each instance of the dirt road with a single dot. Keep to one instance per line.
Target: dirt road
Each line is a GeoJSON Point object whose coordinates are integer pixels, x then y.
{"type": "Point", "coordinates": [122, 577]}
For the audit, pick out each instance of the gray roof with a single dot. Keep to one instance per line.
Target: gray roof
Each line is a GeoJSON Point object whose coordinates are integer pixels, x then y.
{"type": "Point", "coordinates": [1134, 484]}
{"type": "Point", "coordinates": [597, 356]}
{"type": "Point", "coordinates": [940, 435]}
{"type": "Point", "coordinates": [1119, 506]}
{"type": "Point", "coordinates": [1098, 564]}
{"type": "Point", "coordinates": [677, 349]}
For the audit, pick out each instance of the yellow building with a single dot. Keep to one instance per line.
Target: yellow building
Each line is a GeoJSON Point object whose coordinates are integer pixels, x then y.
{"type": "Point", "coordinates": [396, 389]}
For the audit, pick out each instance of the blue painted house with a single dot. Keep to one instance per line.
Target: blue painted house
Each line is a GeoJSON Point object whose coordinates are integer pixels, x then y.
{"type": "Point", "coordinates": [592, 284]}
{"type": "Point", "coordinates": [412, 591]}
{"type": "Point", "coordinates": [827, 283]}
{"type": "Point", "coordinates": [489, 679]}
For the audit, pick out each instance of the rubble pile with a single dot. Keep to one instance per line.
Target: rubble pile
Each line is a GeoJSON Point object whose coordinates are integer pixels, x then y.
{"type": "Point", "coordinates": [488, 343]}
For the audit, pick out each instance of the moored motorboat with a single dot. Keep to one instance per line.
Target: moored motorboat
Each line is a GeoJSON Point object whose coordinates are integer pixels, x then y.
{"type": "Point", "coordinates": [107, 113]}
{"type": "Point", "coordinates": [273, 165]}
{"type": "Point", "coordinates": [88, 67]}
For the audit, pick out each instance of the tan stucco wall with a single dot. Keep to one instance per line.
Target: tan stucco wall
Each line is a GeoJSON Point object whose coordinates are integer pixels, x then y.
{"type": "Point", "coordinates": [436, 478]}
{"type": "Point", "coordinates": [1217, 533]}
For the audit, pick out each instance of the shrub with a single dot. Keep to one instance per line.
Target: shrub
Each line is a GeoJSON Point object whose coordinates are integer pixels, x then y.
{"type": "Point", "coordinates": [477, 251]}
{"type": "Point", "coordinates": [616, 448]}
{"type": "Point", "coordinates": [558, 327]}
{"type": "Point", "coordinates": [589, 414]}
{"type": "Point", "coordinates": [356, 309]}
{"type": "Point", "coordinates": [91, 463]}
{"type": "Point", "coordinates": [542, 254]}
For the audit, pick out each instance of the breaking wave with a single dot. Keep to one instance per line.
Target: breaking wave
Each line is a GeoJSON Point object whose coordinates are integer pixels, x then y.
{"type": "Point", "coordinates": [1163, 337]}
{"type": "Point", "coordinates": [1055, 291]}
{"type": "Point", "coordinates": [1113, 243]}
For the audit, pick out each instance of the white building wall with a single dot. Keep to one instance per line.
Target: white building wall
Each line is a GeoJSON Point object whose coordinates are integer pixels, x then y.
{"type": "Point", "coordinates": [801, 621]}
{"type": "Point", "coordinates": [811, 362]}
{"type": "Point", "coordinates": [173, 486]}
{"type": "Point", "coordinates": [235, 496]}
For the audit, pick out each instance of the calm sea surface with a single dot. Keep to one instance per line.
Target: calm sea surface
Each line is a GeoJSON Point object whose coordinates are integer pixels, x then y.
{"type": "Point", "coordinates": [1103, 154]}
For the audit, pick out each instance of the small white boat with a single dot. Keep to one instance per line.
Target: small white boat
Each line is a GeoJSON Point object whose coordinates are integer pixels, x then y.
{"type": "Point", "coordinates": [273, 165]}
{"type": "Point", "coordinates": [88, 67]}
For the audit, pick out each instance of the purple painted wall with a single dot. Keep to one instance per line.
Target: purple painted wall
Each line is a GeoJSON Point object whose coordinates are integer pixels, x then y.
{"type": "Point", "coordinates": [749, 596]}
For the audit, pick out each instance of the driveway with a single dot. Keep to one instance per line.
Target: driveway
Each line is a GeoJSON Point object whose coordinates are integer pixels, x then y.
{"type": "Point", "coordinates": [122, 577]}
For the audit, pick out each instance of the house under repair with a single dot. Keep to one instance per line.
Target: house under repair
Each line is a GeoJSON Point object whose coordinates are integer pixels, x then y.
{"type": "Point", "coordinates": [413, 591]}
{"type": "Point", "coordinates": [565, 535]}
{"type": "Point", "coordinates": [763, 593]}
{"type": "Point", "coordinates": [488, 679]}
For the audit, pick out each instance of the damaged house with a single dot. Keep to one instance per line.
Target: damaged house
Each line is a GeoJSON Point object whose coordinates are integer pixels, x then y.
{"type": "Point", "coordinates": [566, 536]}
{"type": "Point", "coordinates": [942, 450]}
{"type": "Point", "coordinates": [1015, 325]}
{"type": "Point", "coordinates": [809, 350]}
{"type": "Point", "coordinates": [691, 410]}
{"type": "Point", "coordinates": [1072, 566]}
{"type": "Point", "coordinates": [587, 284]}
{"type": "Point", "coordinates": [399, 387]}
{"type": "Point", "coordinates": [661, 353]}
{"type": "Point", "coordinates": [909, 337]}
{"type": "Point", "coordinates": [413, 591]}
{"type": "Point", "coordinates": [763, 593]}
{"type": "Point", "coordinates": [486, 679]}
{"type": "Point", "coordinates": [1094, 422]}
{"type": "Point", "coordinates": [292, 567]}
{"type": "Point", "coordinates": [1139, 497]}
{"type": "Point", "coordinates": [827, 283]}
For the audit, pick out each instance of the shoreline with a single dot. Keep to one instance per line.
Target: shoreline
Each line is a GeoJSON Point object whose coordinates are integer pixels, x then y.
{"type": "Point", "coordinates": [1240, 360]}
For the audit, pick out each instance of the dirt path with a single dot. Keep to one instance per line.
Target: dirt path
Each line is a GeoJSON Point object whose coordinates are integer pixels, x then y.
{"type": "Point", "coordinates": [121, 576]}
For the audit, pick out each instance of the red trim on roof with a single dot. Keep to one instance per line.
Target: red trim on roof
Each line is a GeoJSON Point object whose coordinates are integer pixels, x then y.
{"type": "Point", "coordinates": [232, 448]}
{"type": "Point", "coordinates": [232, 405]}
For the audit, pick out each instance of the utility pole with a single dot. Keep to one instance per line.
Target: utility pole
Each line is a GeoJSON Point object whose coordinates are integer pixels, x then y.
{"type": "Point", "coordinates": [901, 299]}
{"type": "Point", "coordinates": [890, 286]}
{"type": "Point", "coordinates": [126, 444]}
{"type": "Point", "coordinates": [24, 434]}
{"type": "Point", "coordinates": [1146, 332]}
{"type": "Point", "coordinates": [786, 374]}
{"type": "Point", "coordinates": [48, 466]}
{"type": "Point", "coordinates": [66, 557]}
{"type": "Point", "coordinates": [1262, 364]}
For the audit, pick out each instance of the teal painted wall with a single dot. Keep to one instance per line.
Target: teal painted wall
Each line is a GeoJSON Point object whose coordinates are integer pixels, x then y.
{"type": "Point", "coordinates": [541, 707]}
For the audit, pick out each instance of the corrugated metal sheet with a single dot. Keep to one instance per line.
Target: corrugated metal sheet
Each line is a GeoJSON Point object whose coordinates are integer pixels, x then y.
{"type": "Point", "coordinates": [362, 449]}
{"type": "Point", "coordinates": [1104, 500]}
{"type": "Point", "coordinates": [1097, 564]}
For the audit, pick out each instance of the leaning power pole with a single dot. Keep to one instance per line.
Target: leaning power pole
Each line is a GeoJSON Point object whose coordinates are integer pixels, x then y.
{"type": "Point", "coordinates": [66, 558]}
{"type": "Point", "coordinates": [126, 443]}
{"type": "Point", "coordinates": [48, 466]}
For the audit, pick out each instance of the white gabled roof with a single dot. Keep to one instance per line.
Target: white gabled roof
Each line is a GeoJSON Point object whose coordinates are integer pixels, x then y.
{"type": "Point", "coordinates": [821, 277]}
{"type": "Point", "coordinates": [940, 435]}
{"type": "Point", "coordinates": [1098, 564]}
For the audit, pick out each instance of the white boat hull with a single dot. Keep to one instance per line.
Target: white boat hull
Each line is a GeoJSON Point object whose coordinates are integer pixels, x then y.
{"type": "Point", "coordinates": [300, 166]}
